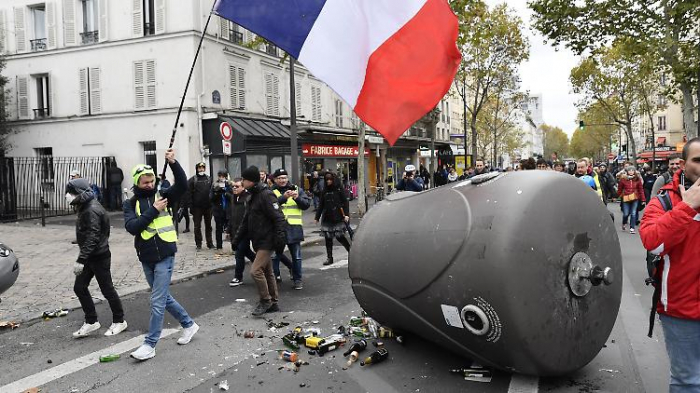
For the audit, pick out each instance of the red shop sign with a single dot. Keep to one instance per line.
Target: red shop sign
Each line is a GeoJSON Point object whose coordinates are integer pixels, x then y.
{"type": "Point", "coordinates": [310, 150]}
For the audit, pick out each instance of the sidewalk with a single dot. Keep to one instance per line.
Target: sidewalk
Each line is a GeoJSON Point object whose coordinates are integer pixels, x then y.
{"type": "Point", "coordinates": [46, 258]}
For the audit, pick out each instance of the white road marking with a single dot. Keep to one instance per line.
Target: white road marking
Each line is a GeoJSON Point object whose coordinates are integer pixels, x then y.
{"type": "Point", "coordinates": [72, 366]}
{"type": "Point", "coordinates": [523, 384]}
{"type": "Point", "coordinates": [341, 263]}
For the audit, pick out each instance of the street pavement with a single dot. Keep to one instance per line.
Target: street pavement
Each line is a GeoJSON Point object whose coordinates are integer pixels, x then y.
{"type": "Point", "coordinates": [43, 354]}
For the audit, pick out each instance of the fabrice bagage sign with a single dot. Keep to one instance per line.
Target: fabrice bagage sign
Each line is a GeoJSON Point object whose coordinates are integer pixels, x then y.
{"type": "Point", "coordinates": [310, 150]}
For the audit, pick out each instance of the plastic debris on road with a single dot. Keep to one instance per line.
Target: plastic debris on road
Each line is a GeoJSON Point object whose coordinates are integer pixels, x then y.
{"type": "Point", "coordinates": [8, 324]}
{"type": "Point", "coordinates": [223, 385]}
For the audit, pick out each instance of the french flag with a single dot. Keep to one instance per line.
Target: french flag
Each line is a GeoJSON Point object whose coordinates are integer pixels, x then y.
{"type": "Point", "coordinates": [390, 60]}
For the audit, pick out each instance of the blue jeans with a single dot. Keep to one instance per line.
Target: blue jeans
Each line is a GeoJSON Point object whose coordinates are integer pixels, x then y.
{"type": "Point", "coordinates": [295, 263]}
{"type": "Point", "coordinates": [682, 343]}
{"type": "Point", "coordinates": [242, 252]}
{"type": "Point", "coordinates": [629, 210]}
{"type": "Point", "coordinates": [158, 276]}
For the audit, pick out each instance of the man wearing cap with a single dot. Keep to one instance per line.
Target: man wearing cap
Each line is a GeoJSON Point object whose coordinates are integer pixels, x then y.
{"type": "Point", "coordinates": [147, 217]}
{"type": "Point", "coordinates": [292, 202]}
{"type": "Point", "coordinates": [200, 204]}
{"type": "Point", "coordinates": [409, 181]}
{"type": "Point", "coordinates": [264, 224]}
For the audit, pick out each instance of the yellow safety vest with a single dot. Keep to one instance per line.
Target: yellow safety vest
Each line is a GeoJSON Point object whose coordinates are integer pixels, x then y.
{"type": "Point", "coordinates": [291, 210]}
{"type": "Point", "coordinates": [598, 190]}
{"type": "Point", "coordinates": [162, 226]}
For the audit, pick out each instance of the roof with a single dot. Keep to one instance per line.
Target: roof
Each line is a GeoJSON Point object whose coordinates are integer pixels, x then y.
{"type": "Point", "coordinates": [258, 127]}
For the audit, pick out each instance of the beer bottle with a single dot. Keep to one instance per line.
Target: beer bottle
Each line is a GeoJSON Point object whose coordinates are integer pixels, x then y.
{"type": "Point", "coordinates": [385, 332]}
{"type": "Point", "coordinates": [331, 343]}
{"type": "Point", "coordinates": [358, 346]}
{"type": "Point", "coordinates": [109, 358]}
{"type": "Point", "coordinates": [380, 355]}
{"type": "Point", "coordinates": [353, 358]}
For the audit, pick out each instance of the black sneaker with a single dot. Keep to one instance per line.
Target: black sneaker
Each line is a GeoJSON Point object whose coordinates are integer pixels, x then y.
{"type": "Point", "coordinates": [186, 230]}
{"type": "Point", "coordinates": [298, 285]}
{"type": "Point", "coordinates": [262, 308]}
{"type": "Point", "coordinates": [273, 308]}
{"type": "Point", "coordinates": [235, 282]}
{"type": "Point", "coordinates": [210, 246]}
{"type": "Point", "coordinates": [329, 261]}
{"type": "Point", "coordinates": [199, 246]}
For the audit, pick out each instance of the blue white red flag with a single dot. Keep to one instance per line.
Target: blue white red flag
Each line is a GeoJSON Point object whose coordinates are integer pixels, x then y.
{"type": "Point", "coordinates": [390, 60]}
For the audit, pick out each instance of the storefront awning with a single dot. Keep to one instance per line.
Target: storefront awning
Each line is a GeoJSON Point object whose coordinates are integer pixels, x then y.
{"type": "Point", "coordinates": [660, 155]}
{"type": "Point", "coordinates": [258, 127]}
{"type": "Point", "coordinates": [661, 141]}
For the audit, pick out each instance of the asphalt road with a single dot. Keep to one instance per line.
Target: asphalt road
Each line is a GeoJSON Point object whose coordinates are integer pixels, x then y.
{"type": "Point", "coordinates": [44, 353]}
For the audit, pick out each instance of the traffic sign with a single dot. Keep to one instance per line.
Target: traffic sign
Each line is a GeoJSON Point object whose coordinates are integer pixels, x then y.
{"type": "Point", "coordinates": [226, 131]}
{"type": "Point", "coordinates": [226, 145]}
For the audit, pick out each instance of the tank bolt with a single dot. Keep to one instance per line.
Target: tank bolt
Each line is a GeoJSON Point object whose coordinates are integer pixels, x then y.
{"type": "Point", "coordinates": [601, 275]}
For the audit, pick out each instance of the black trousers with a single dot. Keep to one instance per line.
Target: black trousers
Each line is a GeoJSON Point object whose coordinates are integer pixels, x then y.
{"type": "Point", "coordinates": [341, 239]}
{"type": "Point", "coordinates": [198, 214]}
{"type": "Point", "coordinates": [100, 269]}
{"type": "Point", "coordinates": [221, 223]}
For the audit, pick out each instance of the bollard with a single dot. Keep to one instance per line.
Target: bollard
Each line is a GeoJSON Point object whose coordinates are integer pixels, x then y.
{"type": "Point", "coordinates": [43, 213]}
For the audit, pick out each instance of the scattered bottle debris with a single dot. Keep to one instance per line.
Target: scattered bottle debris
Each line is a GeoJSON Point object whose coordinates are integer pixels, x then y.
{"type": "Point", "coordinates": [54, 313]}
{"type": "Point", "coordinates": [380, 355]}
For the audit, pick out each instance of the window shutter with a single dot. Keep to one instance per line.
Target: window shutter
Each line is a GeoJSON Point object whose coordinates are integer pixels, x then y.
{"type": "Point", "coordinates": [50, 16]}
{"type": "Point", "coordinates": [20, 34]}
{"type": "Point", "coordinates": [241, 88]}
{"type": "Point", "coordinates": [297, 97]}
{"type": "Point", "coordinates": [95, 91]}
{"type": "Point", "coordinates": [151, 84]}
{"type": "Point", "coordinates": [137, 18]}
{"type": "Point", "coordinates": [69, 33]}
{"type": "Point", "coordinates": [23, 97]}
{"type": "Point", "coordinates": [49, 99]}
{"type": "Point", "coordinates": [83, 84]}
{"type": "Point", "coordinates": [316, 103]}
{"type": "Point", "coordinates": [275, 95]}
{"type": "Point", "coordinates": [268, 94]}
{"type": "Point", "coordinates": [3, 32]}
{"type": "Point", "coordinates": [233, 86]}
{"type": "Point", "coordinates": [160, 16]}
{"type": "Point", "coordinates": [103, 20]}
{"type": "Point", "coordinates": [139, 85]}
{"type": "Point", "coordinates": [223, 28]}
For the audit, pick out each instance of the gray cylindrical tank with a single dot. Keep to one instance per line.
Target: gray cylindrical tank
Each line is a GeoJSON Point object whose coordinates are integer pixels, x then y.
{"type": "Point", "coordinates": [9, 268]}
{"type": "Point", "coordinates": [520, 271]}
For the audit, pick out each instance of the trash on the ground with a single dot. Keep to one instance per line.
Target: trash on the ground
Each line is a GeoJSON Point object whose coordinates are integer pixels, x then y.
{"type": "Point", "coordinates": [290, 341]}
{"type": "Point", "coordinates": [54, 313]}
{"type": "Point", "coordinates": [331, 343]}
{"type": "Point", "coordinates": [240, 300]}
{"type": "Point", "coordinates": [8, 324]}
{"type": "Point", "coordinates": [249, 334]}
{"type": "Point", "coordinates": [312, 352]}
{"type": "Point", "coordinates": [385, 332]}
{"type": "Point", "coordinates": [109, 358]}
{"type": "Point", "coordinates": [277, 325]}
{"type": "Point", "coordinates": [26, 344]}
{"type": "Point", "coordinates": [315, 322]}
{"type": "Point", "coordinates": [220, 271]}
{"type": "Point", "coordinates": [474, 373]}
{"type": "Point", "coordinates": [223, 385]}
{"type": "Point", "coordinates": [289, 356]}
{"type": "Point", "coordinates": [377, 343]}
{"type": "Point", "coordinates": [357, 346]}
{"type": "Point", "coordinates": [49, 361]}
{"type": "Point", "coordinates": [313, 342]}
{"type": "Point", "coordinates": [609, 370]}
{"type": "Point", "coordinates": [354, 355]}
{"type": "Point", "coordinates": [32, 390]}
{"type": "Point", "coordinates": [302, 385]}
{"type": "Point", "coordinates": [380, 355]}
{"type": "Point", "coordinates": [261, 363]}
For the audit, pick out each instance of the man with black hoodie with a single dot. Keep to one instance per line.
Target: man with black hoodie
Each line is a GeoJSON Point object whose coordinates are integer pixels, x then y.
{"type": "Point", "coordinates": [198, 188]}
{"type": "Point", "coordinates": [94, 260]}
{"type": "Point", "coordinates": [147, 217]}
{"type": "Point", "coordinates": [264, 224]}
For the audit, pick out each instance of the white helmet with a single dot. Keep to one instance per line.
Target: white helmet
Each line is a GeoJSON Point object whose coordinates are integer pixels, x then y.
{"type": "Point", "coordinates": [410, 168]}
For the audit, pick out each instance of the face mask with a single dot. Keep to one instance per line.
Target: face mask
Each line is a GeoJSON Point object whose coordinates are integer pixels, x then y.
{"type": "Point", "coordinates": [201, 173]}
{"type": "Point", "coordinates": [70, 198]}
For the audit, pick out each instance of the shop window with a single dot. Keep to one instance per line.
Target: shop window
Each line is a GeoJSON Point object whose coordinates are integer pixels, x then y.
{"type": "Point", "coordinates": [258, 160]}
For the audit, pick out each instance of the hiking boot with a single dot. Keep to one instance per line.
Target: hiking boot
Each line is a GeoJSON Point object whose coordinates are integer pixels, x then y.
{"type": "Point", "coordinates": [187, 334]}
{"type": "Point", "coordinates": [261, 308]}
{"type": "Point", "coordinates": [116, 328]}
{"type": "Point", "coordinates": [86, 329]}
{"type": "Point", "coordinates": [273, 308]}
{"type": "Point", "coordinates": [235, 282]}
{"type": "Point", "coordinates": [298, 285]}
{"type": "Point", "coordinates": [329, 261]}
{"type": "Point", "coordinates": [144, 352]}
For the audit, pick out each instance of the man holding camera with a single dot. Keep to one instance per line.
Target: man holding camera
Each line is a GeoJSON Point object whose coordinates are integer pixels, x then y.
{"type": "Point", "coordinates": [409, 181]}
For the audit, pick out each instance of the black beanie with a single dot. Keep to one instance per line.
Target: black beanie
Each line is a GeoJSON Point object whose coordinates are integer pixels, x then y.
{"type": "Point", "coordinates": [252, 173]}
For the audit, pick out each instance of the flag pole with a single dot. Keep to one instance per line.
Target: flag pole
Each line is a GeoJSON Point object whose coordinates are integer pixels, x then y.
{"type": "Point", "coordinates": [187, 85]}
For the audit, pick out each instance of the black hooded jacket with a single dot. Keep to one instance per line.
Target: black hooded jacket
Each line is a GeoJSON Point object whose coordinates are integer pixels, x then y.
{"type": "Point", "coordinates": [331, 201]}
{"type": "Point", "coordinates": [92, 225]}
{"type": "Point", "coordinates": [263, 223]}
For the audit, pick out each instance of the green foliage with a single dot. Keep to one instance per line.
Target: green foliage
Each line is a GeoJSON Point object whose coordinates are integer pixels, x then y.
{"type": "Point", "coordinates": [596, 138]}
{"type": "Point", "coordinates": [555, 141]}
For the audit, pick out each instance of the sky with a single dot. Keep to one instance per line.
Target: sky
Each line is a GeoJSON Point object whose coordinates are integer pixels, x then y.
{"type": "Point", "coordinates": [547, 73]}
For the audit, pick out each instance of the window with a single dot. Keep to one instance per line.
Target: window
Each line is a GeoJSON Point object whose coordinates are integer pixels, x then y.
{"type": "Point", "coordinates": [237, 86]}
{"type": "Point", "coordinates": [662, 101]}
{"type": "Point", "coordinates": [447, 111]}
{"type": "Point", "coordinates": [22, 97]}
{"type": "Point", "coordinates": [90, 93]}
{"type": "Point", "coordinates": [149, 154]}
{"type": "Point", "coordinates": [272, 94]}
{"type": "Point", "coordinates": [662, 123]}
{"type": "Point", "coordinates": [38, 14]}
{"type": "Point", "coordinates": [45, 155]}
{"type": "Point", "coordinates": [230, 31]}
{"type": "Point", "coordinates": [339, 113]}
{"type": "Point", "coordinates": [148, 17]}
{"type": "Point", "coordinates": [662, 80]}
{"type": "Point", "coordinates": [90, 34]}
{"type": "Point", "coordinates": [145, 84]}
{"type": "Point", "coordinates": [315, 103]}
{"type": "Point", "coordinates": [271, 49]}
{"type": "Point", "coordinates": [43, 105]}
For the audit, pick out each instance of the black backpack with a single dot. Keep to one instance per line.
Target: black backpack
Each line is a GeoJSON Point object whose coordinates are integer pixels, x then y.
{"type": "Point", "coordinates": [653, 267]}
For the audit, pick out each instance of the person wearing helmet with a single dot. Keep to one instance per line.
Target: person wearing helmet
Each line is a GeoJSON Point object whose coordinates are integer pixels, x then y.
{"type": "Point", "coordinates": [198, 188]}
{"type": "Point", "coordinates": [220, 196]}
{"type": "Point", "coordinates": [410, 182]}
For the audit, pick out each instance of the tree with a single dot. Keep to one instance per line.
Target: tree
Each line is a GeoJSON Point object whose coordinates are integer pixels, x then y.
{"type": "Point", "coordinates": [499, 120]}
{"type": "Point", "coordinates": [5, 129]}
{"type": "Point", "coordinates": [555, 141]}
{"type": "Point", "coordinates": [595, 139]}
{"type": "Point", "coordinates": [665, 31]}
{"type": "Point", "coordinates": [492, 45]}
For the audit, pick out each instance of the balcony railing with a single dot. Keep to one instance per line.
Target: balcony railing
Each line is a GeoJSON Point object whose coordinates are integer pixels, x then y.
{"type": "Point", "coordinates": [39, 44]}
{"type": "Point", "coordinates": [236, 37]}
{"type": "Point", "coordinates": [41, 113]}
{"type": "Point", "coordinates": [90, 37]}
{"type": "Point", "coordinates": [271, 49]}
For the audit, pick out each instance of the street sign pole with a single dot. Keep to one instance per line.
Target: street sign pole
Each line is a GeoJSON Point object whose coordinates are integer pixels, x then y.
{"type": "Point", "coordinates": [293, 124]}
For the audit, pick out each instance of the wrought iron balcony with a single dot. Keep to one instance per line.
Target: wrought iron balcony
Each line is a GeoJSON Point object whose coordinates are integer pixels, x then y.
{"type": "Point", "coordinates": [39, 44]}
{"type": "Point", "coordinates": [90, 37]}
{"type": "Point", "coordinates": [41, 113]}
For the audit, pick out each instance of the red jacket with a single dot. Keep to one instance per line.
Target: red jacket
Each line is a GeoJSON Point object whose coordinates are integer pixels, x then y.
{"type": "Point", "coordinates": [627, 187]}
{"type": "Point", "coordinates": [674, 235]}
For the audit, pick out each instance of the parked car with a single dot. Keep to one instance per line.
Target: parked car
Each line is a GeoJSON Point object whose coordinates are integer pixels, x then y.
{"type": "Point", "coordinates": [9, 268]}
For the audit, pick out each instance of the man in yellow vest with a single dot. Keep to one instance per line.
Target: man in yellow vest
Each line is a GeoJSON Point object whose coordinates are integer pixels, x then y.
{"type": "Point", "coordinates": [147, 217]}
{"type": "Point", "coordinates": [293, 203]}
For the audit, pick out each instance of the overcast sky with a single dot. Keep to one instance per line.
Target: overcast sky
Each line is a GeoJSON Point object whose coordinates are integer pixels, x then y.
{"type": "Point", "coordinates": [547, 73]}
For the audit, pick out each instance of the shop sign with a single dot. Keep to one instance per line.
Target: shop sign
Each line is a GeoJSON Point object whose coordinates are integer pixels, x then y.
{"type": "Point", "coordinates": [377, 140]}
{"type": "Point", "coordinates": [679, 147]}
{"type": "Point", "coordinates": [310, 150]}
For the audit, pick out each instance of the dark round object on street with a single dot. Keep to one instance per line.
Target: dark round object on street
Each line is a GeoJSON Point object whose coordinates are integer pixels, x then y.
{"type": "Point", "coordinates": [519, 271]}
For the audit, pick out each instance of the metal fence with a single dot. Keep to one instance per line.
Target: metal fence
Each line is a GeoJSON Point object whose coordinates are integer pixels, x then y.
{"type": "Point", "coordinates": [27, 181]}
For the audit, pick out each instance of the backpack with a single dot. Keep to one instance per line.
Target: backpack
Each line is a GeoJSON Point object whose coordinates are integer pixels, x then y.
{"type": "Point", "coordinates": [653, 268]}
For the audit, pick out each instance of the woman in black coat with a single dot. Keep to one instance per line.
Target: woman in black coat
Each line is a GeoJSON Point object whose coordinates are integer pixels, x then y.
{"type": "Point", "coordinates": [333, 211]}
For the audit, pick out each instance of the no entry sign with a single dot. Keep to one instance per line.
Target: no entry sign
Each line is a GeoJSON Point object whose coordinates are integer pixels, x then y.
{"type": "Point", "coordinates": [226, 131]}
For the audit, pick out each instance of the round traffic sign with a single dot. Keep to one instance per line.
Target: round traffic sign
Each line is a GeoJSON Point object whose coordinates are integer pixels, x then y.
{"type": "Point", "coordinates": [226, 131]}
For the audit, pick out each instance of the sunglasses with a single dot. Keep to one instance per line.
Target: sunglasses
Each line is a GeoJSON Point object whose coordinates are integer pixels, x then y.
{"type": "Point", "coordinates": [142, 168]}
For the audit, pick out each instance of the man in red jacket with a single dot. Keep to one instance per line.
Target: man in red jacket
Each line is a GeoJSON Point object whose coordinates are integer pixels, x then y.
{"type": "Point", "coordinates": [674, 236]}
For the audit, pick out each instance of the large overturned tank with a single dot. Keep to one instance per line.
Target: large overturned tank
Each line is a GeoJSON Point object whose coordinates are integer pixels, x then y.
{"type": "Point", "coordinates": [520, 271]}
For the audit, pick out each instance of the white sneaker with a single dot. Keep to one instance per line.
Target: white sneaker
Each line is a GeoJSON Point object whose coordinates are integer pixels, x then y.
{"type": "Point", "coordinates": [116, 328]}
{"type": "Point", "coordinates": [187, 334]}
{"type": "Point", "coordinates": [235, 282]}
{"type": "Point", "coordinates": [632, 231]}
{"type": "Point", "coordinates": [144, 352]}
{"type": "Point", "coordinates": [86, 329]}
